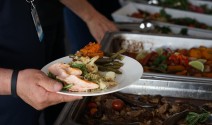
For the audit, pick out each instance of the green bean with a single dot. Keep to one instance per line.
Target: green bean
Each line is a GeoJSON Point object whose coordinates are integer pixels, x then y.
{"type": "Point", "coordinates": [114, 67]}
{"type": "Point", "coordinates": [119, 57]}
{"type": "Point", "coordinates": [107, 54]}
{"type": "Point", "coordinates": [102, 68]}
{"type": "Point", "coordinates": [113, 64]}
{"type": "Point", "coordinates": [117, 63]}
{"type": "Point", "coordinates": [118, 53]}
{"type": "Point", "coordinates": [103, 60]}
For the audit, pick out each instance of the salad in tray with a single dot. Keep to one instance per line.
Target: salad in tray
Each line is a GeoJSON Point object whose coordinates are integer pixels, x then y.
{"type": "Point", "coordinates": [90, 69]}
{"type": "Point", "coordinates": [163, 16]}
{"type": "Point", "coordinates": [195, 62]}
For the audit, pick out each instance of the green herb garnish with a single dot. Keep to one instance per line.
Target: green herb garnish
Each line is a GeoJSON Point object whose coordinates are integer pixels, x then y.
{"type": "Point", "coordinates": [194, 118]}
{"type": "Point", "coordinates": [66, 87]}
{"type": "Point", "coordinates": [82, 67]}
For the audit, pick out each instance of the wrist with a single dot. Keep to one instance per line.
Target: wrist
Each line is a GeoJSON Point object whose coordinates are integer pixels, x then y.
{"type": "Point", "coordinates": [5, 81]}
{"type": "Point", "coordinates": [14, 80]}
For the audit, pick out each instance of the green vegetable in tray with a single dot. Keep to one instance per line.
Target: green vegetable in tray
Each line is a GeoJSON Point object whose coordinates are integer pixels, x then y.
{"type": "Point", "coordinates": [194, 118]}
{"type": "Point", "coordinates": [184, 31]}
{"type": "Point", "coordinates": [164, 14]}
{"type": "Point", "coordinates": [160, 59]}
{"type": "Point", "coordinates": [163, 29]}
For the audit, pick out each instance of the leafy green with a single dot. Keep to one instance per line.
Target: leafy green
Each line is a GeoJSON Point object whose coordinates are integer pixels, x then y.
{"type": "Point", "coordinates": [184, 31]}
{"type": "Point", "coordinates": [163, 29]}
{"type": "Point", "coordinates": [164, 14]}
{"type": "Point", "coordinates": [159, 60]}
{"type": "Point", "coordinates": [194, 118]}
{"type": "Point", "coordinates": [80, 66]}
{"type": "Point", "coordinates": [67, 86]}
{"type": "Point", "coordinates": [50, 75]}
{"type": "Point", "coordinates": [180, 4]}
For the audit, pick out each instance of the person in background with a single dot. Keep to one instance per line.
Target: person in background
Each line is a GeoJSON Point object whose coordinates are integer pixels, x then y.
{"type": "Point", "coordinates": [80, 32]}
{"type": "Point", "coordinates": [26, 45]}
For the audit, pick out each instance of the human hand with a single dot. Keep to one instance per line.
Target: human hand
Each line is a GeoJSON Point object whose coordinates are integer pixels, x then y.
{"type": "Point", "coordinates": [39, 91]}
{"type": "Point", "coordinates": [98, 25]}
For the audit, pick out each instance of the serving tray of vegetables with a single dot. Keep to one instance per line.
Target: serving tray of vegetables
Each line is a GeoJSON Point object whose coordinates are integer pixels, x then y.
{"type": "Point", "coordinates": [137, 12]}
{"type": "Point", "coordinates": [166, 57]}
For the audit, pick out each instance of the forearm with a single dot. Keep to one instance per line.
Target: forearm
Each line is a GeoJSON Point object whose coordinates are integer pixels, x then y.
{"type": "Point", "coordinates": [5, 81]}
{"type": "Point", "coordinates": [82, 8]}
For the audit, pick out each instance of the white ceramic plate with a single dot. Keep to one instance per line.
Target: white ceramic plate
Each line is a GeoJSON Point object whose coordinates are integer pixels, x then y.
{"type": "Point", "coordinates": [131, 73]}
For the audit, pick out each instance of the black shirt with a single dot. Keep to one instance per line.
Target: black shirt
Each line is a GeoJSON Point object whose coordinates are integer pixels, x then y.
{"type": "Point", "coordinates": [20, 48]}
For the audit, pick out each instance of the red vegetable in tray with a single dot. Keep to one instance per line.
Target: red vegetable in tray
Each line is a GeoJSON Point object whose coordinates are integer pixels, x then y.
{"type": "Point", "coordinates": [117, 104]}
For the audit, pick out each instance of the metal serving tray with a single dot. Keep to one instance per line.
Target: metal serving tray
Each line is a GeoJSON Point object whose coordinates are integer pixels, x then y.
{"type": "Point", "coordinates": [151, 42]}
{"type": "Point", "coordinates": [150, 83]}
{"type": "Point", "coordinates": [169, 88]}
{"type": "Point", "coordinates": [122, 15]}
{"type": "Point", "coordinates": [175, 30]}
{"type": "Point", "coordinates": [193, 2]}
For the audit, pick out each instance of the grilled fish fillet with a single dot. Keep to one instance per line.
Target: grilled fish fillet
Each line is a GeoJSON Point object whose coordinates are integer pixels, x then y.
{"type": "Point", "coordinates": [70, 75]}
{"type": "Point", "coordinates": [64, 70]}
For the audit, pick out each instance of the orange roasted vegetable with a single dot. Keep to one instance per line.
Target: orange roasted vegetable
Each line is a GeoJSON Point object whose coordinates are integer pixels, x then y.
{"type": "Point", "coordinates": [209, 63]}
{"type": "Point", "coordinates": [91, 50]}
{"type": "Point", "coordinates": [184, 72]}
{"type": "Point", "coordinates": [207, 53]}
{"type": "Point", "coordinates": [208, 75]}
{"type": "Point", "coordinates": [176, 68]}
{"type": "Point", "coordinates": [196, 53]}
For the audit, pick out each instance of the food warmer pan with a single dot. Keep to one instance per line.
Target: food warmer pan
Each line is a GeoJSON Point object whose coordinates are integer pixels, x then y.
{"type": "Point", "coordinates": [153, 84]}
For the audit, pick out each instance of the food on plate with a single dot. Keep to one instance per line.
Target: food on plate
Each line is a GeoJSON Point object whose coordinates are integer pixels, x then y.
{"type": "Point", "coordinates": [83, 74]}
{"type": "Point", "coordinates": [91, 50]}
{"type": "Point", "coordinates": [69, 75]}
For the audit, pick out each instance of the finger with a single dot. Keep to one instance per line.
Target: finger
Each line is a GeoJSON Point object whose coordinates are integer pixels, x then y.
{"type": "Point", "coordinates": [98, 36]}
{"type": "Point", "coordinates": [113, 27]}
{"type": "Point", "coordinates": [50, 84]}
{"type": "Point", "coordinates": [55, 98]}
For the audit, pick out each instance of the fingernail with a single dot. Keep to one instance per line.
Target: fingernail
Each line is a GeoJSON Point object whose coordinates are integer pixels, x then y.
{"type": "Point", "coordinates": [57, 86]}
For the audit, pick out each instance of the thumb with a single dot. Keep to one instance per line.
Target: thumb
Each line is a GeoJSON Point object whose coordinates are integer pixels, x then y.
{"type": "Point", "coordinates": [51, 85]}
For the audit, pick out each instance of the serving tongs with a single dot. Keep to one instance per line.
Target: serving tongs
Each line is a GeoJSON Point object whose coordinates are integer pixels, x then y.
{"type": "Point", "coordinates": [133, 102]}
